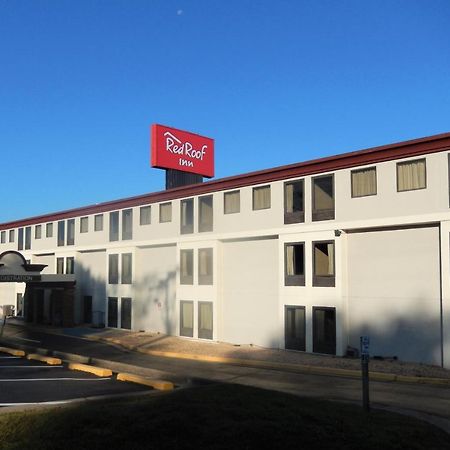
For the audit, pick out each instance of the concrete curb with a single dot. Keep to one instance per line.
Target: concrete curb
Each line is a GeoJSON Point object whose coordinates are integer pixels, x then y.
{"type": "Point", "coordinates": [12, 351]}
{"type": "Point", "coordinates": [298, 368]}
{"type": "Point", "coordinates": [47, 359]}
{"type": "Point", "coordinates": [160, 385]}
{"type": "Point", "coordinates": [99, 371]}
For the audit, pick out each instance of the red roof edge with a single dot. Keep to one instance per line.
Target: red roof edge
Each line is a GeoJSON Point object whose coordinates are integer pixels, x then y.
{"type": "Point", "coordinates": [405, 149]}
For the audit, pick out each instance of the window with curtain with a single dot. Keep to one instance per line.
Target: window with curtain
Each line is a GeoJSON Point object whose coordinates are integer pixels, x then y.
{"type": "Point", "coordinates": [364, 182]}
{"type": "Point", "coordinates": [145, 215]}
{"type": "Point", "coordinates": [294, 202]}
{"type": "Point", "coordinates": [323, 257]}
{"type": "Point", "coordinates": [71, 232]}
{"type": "Point", "coordinates": [49, 230]}
{"type": "Point", "coordinates": [205, 320]}
{"type": "Point", "coordinates": [38, 231]}
{"type": "Point", "coordinates": [70, 265]}
{"type": "Point", "coordinates": [27, 238]}
{"type": "Point", "coordinates": [11, 235]}
{"type": "Point", "coordinates": [125, 312]}
{"type": "Point", "coordinates": [114, 226]}
{"type": "Point", "coordinates": [323, 198]}
{"type": "Point", "coordinates": [205, 213]}
{"type": "Point", "coordinates": [186, 266]}
{"type": "Point", "coordinates": [261, 197]}
{"type": "Point", "coordinates": [98, 222]}
{"type": "Point", "coordinates": [3, 237]}
{"type": "Point", "coordinates": [165, 212]}
{"type": "Point", "coordinates": [20, 239]}
{"type": "Point", "coordinates": [205, 266]}
{"type": "Point", "coordinates": [84, 224]}
{"type": "Point", "coordinates": [294, 274]}
{"type": "Point", "coordinates": [59, 265]}
{"type": "Point", "coordinates": [231, 202]}
{"type": "Point", "coordinates": [127, 224]}
{"type": "Point", "coordinates": [61, 233]}
{"type": "Point", "coordinates": [186, 318]}
{"type": "Point", "coordinates": [113, 269]}
{"type": "Point", "coordinates": [411, 175]}
{"type": "Point", "coordinates": [127, 272]}
{"type": "Point", "coordinates": [187, 216]}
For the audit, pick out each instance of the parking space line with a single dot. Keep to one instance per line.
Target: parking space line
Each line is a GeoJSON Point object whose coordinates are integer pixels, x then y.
{"type": "Point", "coordinates": [31, 367]}
{"type": "Point", "coordinates": [53, 379]}
{"type": "Point", "coordinates": [25, 339]}
{"type": "Point", "coordinates": [10, 357]}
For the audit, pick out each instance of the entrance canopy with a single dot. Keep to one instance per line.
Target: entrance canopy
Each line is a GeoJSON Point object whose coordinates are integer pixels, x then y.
{"type": "Point", "coordinates": [15, 269]}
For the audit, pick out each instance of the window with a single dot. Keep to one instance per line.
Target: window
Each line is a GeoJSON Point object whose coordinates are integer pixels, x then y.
{"type": "Point", "coordinates": [411, 175]}
{"type": "Point", "coordinates": [49, 230]}
{"type": "Point", "coordinates": [84, 224]}
{"type": "Point", "coordinates": [165, 212]}
{"type": "Point", "coordinates": [113, 269]}
{"type": "Point", "coordinates": [261, 197]}
{"type": "Point", "coordinates": [114, 226]}
{"type": "Point", "coordinates": [70, 265]}
{"type": "Point", "coordinates": [11, 235]}
{"type": "Point", "coordinates": [112, 311]}
{"type": "Point", "coordinates": [3, 237]}
{"type": "Point", "coordinates": [59, 265]}
{"type": "Point", "coordinates": [323, 261]}
{"type": "Point", "coordinates": [186, 318]}
{"type": "Point", "coordinates": [126, 268]}
{"type": "Point", "coordinates": [38, 231]}
{"type": "Point", "coordinates": [127, 224]}
{"type": "Point", "coordinates": [294, 328]}
{"type": "Point", "coordinates": [205, 213]}
{"type": "Point", "coordinates": [125, 313]}
{"type": "Point", "coordinates": [61, 233]}
{"type": "Point", "coordinates": [145, 215]}
{"type": "Point", "coordinates": [20, 239]}
{"type": "Point", "coordinates": [294, 195]}
{"type": "Point", "coordinates": [205, 266]}
{"type": "Point", "coordinates": [232, 202]}
{"type": "Point", "coordinates": [324, 330]}
{"type": "Point", "coordinates": [323, 198]}
{"type": "Point", "coordinates": [98, 222]}
{"type": "Point", "coordinates": [294, 272]}
{"type": "Point", "coordinates": [187, 216]}
{"type": "Point", "coordinates": [27, 238]}
{"type": "Point", "coordinates": [364, 182]}
{"type": "Point", "coordinates": [71, 232]}
{"type": "Point", "coordinates": [186, 266]}
{"type": "Point", "coordinates": [205, 320]}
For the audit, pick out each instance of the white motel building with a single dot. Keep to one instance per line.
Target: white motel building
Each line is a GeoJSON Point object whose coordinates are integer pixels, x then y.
{"type": "Point", "coordinates": [307, 257]}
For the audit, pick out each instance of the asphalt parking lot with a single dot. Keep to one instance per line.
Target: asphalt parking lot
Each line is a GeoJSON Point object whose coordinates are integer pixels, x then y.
{"type": "Point", "coordinates": [27, 382]}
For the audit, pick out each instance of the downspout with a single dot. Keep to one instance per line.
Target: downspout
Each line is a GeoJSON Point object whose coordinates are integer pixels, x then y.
{"type": "Point", "coordinates": [441, 306]}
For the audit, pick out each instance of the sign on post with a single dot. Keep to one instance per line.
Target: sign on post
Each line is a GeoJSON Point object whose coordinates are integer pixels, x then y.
{"type": "Point", "coordinates": [364, 342]}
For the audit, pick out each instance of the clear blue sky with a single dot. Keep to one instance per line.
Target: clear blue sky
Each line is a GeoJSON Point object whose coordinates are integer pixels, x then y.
{"type": "Point", "coordinates": [273, 82]}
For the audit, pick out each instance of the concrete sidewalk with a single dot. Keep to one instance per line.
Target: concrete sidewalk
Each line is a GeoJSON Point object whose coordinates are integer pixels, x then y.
{"type": "Point", "coordinates": [156, 344]}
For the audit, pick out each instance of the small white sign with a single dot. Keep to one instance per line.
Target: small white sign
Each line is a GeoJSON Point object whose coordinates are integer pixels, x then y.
{"type": "Point", "coordinates": [364, 341]}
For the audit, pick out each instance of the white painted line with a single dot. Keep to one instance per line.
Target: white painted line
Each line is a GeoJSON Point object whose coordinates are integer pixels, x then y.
{"type": "Point", "coordinates": [53, 379]}
{"type": "Point", "coordinates": [56, 402]}
{"type": "Point", "coordinates": [10, 357]}
{"type": "Point", "coordinates": [31, 367]}
{"type": "Point", "coordinates": [25, 339]}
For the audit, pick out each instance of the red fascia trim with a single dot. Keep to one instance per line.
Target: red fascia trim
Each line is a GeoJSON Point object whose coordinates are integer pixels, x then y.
{"type": "Point", "coordinates": [406, 149]}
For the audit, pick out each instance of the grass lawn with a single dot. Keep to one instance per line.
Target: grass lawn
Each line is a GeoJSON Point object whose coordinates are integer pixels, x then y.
{"type": "Point", "coordinates": [215, 417]}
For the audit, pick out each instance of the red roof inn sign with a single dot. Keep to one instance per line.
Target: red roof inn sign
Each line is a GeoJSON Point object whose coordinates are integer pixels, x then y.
{"type": "Point", "coordinates": [181, 150]}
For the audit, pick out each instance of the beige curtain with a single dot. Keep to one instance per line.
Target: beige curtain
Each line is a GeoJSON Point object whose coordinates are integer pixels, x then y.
{"type": "Point", "coordinates": [411, 175]}
{"type": "Point", "coordinates": [323, 194]}
{"type": "Point", "coordinates": [364, 182]}
{"type": "Point", "coordinates": [324, 259]}
{"type": "Point", "coordinates": [290, 263]}
{"type": "Point", "coordinates": [232, 202]}
{"type": "Point", "coordinates": [205, 316]}
{"type": "Point", "coordinates": [206, 213]}
{"type": "Point", "coordinates": [289, 195]}
{"type": "Point", "coordinates": [165, 212]}
{"type": "Point", "coordinates": [204, 262]}
{"type": "Point", "coordinates": [186, 263]}
{"type": "Point", "coordinates": [261, 197]}
{"type": "Point", "coordinates": [145, 218]}
{"type": "Point", "coordinates": [187, 315]}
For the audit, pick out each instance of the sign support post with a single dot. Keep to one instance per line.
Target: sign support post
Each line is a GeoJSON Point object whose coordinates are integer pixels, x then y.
{"type": "Point", "coordinates": [364, 343]}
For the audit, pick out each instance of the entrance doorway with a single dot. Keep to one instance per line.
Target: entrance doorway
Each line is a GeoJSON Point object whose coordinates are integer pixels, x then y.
{"type": "Point", "coordinates": [324, 330]}
{"type": "Point", "coordinates": [87, 309]}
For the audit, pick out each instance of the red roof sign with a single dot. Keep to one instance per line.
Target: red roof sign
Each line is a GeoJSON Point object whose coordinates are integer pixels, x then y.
{"type": "Point", "coordinates": [181, 150]}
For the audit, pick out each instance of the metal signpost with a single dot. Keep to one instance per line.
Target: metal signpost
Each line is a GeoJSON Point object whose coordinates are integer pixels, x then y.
{"type": "Point", "coordinates": [364, 344]}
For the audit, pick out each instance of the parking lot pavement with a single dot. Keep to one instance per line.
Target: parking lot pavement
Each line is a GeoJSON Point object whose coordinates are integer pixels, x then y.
{"type": "Point", "coordinates": [24, 382]}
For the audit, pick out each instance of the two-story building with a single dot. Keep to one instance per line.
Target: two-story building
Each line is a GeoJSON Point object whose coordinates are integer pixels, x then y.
{"type": "Point", "coordinates": [307, 257]}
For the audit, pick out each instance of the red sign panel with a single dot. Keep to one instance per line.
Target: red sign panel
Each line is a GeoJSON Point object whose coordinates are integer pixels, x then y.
{"type": "Point", "coordinates": [181, 150]}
